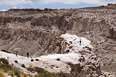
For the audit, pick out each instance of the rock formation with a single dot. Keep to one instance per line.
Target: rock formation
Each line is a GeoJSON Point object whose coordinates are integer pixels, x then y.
{"type": "Point", "coordinates": [39, 31]}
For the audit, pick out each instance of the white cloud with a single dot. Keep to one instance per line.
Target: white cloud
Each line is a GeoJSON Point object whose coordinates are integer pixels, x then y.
{"type": "Point", "coordinates": [15, 2]}
{"type": "Point", "coordinates": [96, 2]}
{"type": "Point", "coordinates": [14, 7]}
{"type": "Point", "coordinates": [3, 10]}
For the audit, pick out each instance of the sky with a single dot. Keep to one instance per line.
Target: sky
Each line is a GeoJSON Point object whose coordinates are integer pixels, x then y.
{"type": "Point", "coordinates": [53, 4]}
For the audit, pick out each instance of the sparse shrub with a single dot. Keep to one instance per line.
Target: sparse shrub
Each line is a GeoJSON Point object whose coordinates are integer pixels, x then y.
{"type": "Point", "coordinates": [32, 60]}
{"type": "Point", "coordinates": [16, 61]}
{"type": "Point", "coordinates": [2, 74]}
{"type": "Point", "coordinates": [70, 42]}
{"type": "Point", "coordinates": [36, 59]}
{"type": "Point", "coordinates": [46, 74]}
{"type": "Point", "coordinates": [87, 48]}
{"type": "Point", "coordinates": [39, 70]}
{"type": "Point", "coordinates": [23, 65]}
{"type": "Point", "coordinates": [4, 61]}
{"type": "Point", "coordinates": [58, 59]}
{"type": "Point", "coordinates": [11, 73]}
{"type": "Point", "coordinates": [6, 68]}
{"type": "Point", "coordinates": [5, 65]}
{"type": "Point", "coordinates": [70, 47]}
{"type": "Point", "coordinates": [67, 51]}
{"type": "Point", "coordinates": [63, 75]}
{"type": "Point", "coordinates": [31, 69]}
{"type": "Point", "coordinates": [4, 50]}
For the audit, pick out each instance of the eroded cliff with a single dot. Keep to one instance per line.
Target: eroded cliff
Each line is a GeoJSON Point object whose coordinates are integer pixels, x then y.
{"type": "Point", "coordinates": [39, 32]}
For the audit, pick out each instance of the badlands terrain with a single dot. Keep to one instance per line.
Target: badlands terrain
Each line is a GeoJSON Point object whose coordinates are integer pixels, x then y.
{"type": "Point", "coordinates": [52, 36]}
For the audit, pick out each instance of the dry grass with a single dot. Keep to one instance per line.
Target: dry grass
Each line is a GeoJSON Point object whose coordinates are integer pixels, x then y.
{"type": "Point", "coordinates": [2, 74]}
{"type": "Point", "coordinates": [16, 71]}
{"type": "Point", "coordinates": [1, 70]}
{"type": "Point", "coordinates": [24, 75]}
{"type": "Point", "coordinates": [11, 73]}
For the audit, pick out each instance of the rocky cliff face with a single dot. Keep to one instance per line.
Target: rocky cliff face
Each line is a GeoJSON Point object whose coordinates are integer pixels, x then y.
{"type": "Point", "coordinates": [34, 40]}
{"type": "Point", "coordinates": [39, 31]}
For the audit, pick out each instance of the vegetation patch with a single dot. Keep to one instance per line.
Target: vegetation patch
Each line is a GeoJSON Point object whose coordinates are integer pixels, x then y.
{"type": "Point", "coordinates": [5, 51]}
{"type": "Point", "coordinates": [16, 71]}
{"type": "Point", "coordinates": [24, 75]}
{"type": "Point", "coordinates": [31, 69]}
{"type": "Point", "coordinates": [36, 59]}
{"type": "Point", "coordinates": [11, 73]}
{"type": "Point", "coordinates": [58, 59]}
{"type": "Point", "coordinates": [1, 70]}
{"type": "Point", "coordinates": [2, 74]}
{"type": "Point", "coordinates": [46, 74]}
{"type": "Point", "coordinates": [32, 60]}
{"type": "Point", "coordinates": [4, 61]}
{"type": "Point", "coordinates": [70, 42]}
{"type": "Point", "coordinates": [4, 64]}
{"type": "Point", "coordinates": [16, 61]}
{"type": "Point", "coordinates": [67, 51]}
{"type": "Point", "coordinates": [23, 65]}
{"type": "Point", "coordinates": [88, 48]}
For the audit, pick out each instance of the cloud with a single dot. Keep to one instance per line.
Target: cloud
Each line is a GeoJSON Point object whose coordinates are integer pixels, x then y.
{"type": "Point", "coordinates": [14, 7]}
{"type": "Point", "coordinates": [15, 2]}
{"type": "Point", "coordinates": [96, 2]}
{"type": "Point", "coordinates": [3, 10]}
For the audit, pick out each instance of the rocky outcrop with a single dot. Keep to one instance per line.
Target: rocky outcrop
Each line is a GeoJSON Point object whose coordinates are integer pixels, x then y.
{"type": "Point", "coordinates": [34, 40]}
{"type": "Point", "coordinates": [88, 64]}
{"type": "Point", "coordinates": [39, 32]}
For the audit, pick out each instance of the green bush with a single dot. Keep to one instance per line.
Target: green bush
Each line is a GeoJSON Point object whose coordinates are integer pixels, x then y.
{"type": "Point", "coordinates": [23, 65]}
{"type": "Point", "coordinates": [11, 73]}
{"type": "Point", "coordinates": [36, 59]}
{"type": "Point", "coordinates": [32, 60]}
{"type": "Point", "coordinates": [58, 59]}
{"type": "Point", "coordinates": [16, 61]}
{"type": "Point", "coordinates": [70, 42]}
